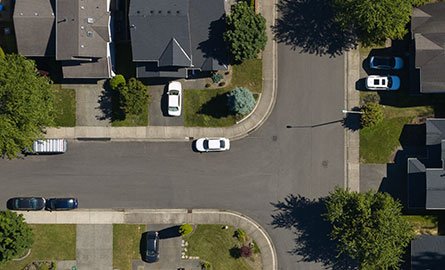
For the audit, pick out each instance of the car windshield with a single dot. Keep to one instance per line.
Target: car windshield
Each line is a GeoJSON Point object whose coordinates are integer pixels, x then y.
{"type": "Point", "coordinates": [389, 82]}
{"type": "Point", "coordinates": [173, 109]}
{"type": "Point", "coordinates": [384, 62]}
{"type": "Point", "coordinates": [26, 203]}
{"type": "Point", "coordinates": [223, 143]}
{"type": "Point", "coordinates": [174, 92]}
{"type": "Point", "coordinates": [206, 144]}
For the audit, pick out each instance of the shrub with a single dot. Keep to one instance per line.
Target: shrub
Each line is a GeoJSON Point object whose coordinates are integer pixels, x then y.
{"type": "Point", "coordinates": [117, 81]}
{"type": "Point", "coordinates": [185, 229]}
{"type": "Point", "coordinates": [216, 77]}
{"type": "Point", "coordinates": [2, 53]}
{"type": "Point", "coordinates": [240, 101]}
{"type": "Point", "coordinates": [371, 98]}
{"type": "Point", "coordinates": [241, 235]}
{"type": "Point", "coordinates": [372, 114]}
{"type": "Point", "coordinates": [134, 97]}
{"type": "Point", "coordinates": [417, 3]}
{"type": "Point", "coordinates": [205, 265]}
{"type": "Point", "coordinates": [245, 251]}
{"type": "Point", "coordinates": [16, 236]}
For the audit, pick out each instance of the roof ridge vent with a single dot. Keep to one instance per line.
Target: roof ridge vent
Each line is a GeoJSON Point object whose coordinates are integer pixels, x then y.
{"type": "Point", "coordinates": [90, 20]}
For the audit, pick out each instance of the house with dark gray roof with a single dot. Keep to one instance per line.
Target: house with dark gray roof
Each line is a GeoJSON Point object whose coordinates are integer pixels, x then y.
{"type": "Point", "coordinates": [426, 177]}
{"type": "Point", "coordinates": [77, 33]}
{"type": "Point", "coordinates": [171, 38]}
{"type": "Point", "coordinates": [428, 252]}
{"type": "Point", "coordinates": [428, 33]}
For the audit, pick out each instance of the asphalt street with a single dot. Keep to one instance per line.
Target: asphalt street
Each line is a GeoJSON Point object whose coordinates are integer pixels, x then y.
{"type": "Point", "coordinates": [259, 170]}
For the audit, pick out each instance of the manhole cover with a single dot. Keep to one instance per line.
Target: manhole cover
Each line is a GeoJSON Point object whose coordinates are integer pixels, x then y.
{"type": "Point", "coordinates": [274, 138]}
{"type": "Point", "coordinates": [324, 163]}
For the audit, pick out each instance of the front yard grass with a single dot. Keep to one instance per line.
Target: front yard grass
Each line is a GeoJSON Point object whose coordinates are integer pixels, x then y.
{"type": "Point", "coordinates": [51, 242]}
{"type": "Point", "coordinates": [212, 243]}
{"type": "Point", "coordinates": [126, 238]}
{"type": "Point", "coordinates": [208, 108]}
{"type": "Point", "coordinates": [64, 106]}
{"type": "Point", "coordinates": [423, 224]}
{"type": "Point", "coordinates": [378, 143]}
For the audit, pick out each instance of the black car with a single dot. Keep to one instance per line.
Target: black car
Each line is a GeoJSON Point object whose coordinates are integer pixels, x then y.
{"type": "Point", "coordinates": [152, 247]}
{"type": "Point", "coordinates": [26, 203]}
{"type": "Point", "coordinates": [61, 204]}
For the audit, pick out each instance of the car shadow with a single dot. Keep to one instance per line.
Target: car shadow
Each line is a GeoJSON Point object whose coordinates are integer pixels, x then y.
{"type": "Point", "coordinates": [170, 232]}
{"type": "Point", "coordinates": [164, 102]}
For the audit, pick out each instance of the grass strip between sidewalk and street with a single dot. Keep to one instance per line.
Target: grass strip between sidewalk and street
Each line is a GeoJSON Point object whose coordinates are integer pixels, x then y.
{"type": "Point", "coordinates": [51, 242]}
{"type": "Point", "coordinates": [208, 107]}
{"type": "Point", "coordinates": [126, 239]}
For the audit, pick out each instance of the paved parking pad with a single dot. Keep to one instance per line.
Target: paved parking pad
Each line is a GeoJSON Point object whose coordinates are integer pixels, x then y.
{"type": "Point", "coordinates": [94, 247]}
{"type": "Point", "coordinates": [169, 251]}
{"type": "Point", "coordinates": [158, 109]}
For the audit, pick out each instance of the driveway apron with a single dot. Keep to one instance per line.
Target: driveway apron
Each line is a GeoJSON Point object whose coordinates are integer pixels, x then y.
{"type": "Point", "coordinates": [94, 247]}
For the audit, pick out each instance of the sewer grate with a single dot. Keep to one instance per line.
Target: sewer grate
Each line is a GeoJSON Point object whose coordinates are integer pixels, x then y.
{"type": "Point", "coordinates": [274, 138]}
{"type": "Point", "coordinates": [324, 163]}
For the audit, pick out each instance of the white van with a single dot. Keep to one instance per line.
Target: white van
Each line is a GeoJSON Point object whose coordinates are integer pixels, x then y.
{"type": "Point", "coordinates": [49, 146]}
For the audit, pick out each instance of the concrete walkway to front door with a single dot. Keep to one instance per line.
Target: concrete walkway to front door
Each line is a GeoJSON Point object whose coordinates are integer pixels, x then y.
{"type": "Point", "coordinates": [94, 246]}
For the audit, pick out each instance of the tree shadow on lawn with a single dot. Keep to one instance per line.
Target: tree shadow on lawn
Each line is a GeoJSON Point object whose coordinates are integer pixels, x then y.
{"type": "Point", "coordinates": [310, 25]}
{"type": "Point", "coordinates": [216, 107]}
{"type": "Point", "coordinates": [305, 217]}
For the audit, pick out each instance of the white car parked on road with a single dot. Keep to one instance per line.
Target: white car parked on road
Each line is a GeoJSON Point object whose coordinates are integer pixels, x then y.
{"type": "Point", "coordinates": [174, 94]}
{"type": "Point", "coordinates": [212, 144]}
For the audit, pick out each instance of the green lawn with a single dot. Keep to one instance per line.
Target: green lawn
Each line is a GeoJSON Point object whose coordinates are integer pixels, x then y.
{"type": "Point", "coordinates": [51, 242]}
{"type": "Point", "coordinates": [378, 143]}
{"type": "Point", "coordinates": [212, 243]}
{"type": "Point", "coordinates": [207, 107]}
{"type": "Point", "coordinates": [423, 224]}
{"type": "Point", "coordinates": [126, 238]}
{"type": "Point", "coordinates": [64, 106]}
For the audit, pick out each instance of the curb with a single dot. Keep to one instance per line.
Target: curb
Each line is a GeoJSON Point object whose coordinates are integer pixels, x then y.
{"type": "Point", "coordinates": [164, 216]}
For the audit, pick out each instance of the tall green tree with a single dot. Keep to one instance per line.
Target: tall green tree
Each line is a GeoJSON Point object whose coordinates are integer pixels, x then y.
{"type": "Point", "coordinates": [26, 104]}
{"type": "Point", "coordinates": [368, 227]}
{"type": "Point", "coordinates": [374, 20]}
{"type": "Point", "coordinates": [15, 236]}
{"type": "Point", "coordinates": [245, 32]}
{"type": "Point", "coordinates": [134, 96]}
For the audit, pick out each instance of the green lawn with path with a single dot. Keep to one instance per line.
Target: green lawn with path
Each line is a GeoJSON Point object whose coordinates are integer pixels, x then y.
{"type": "Point", "coordinates": [51, 242]}
{"type": "Point", "coordinates": [208, 107]}
{"type": "Point", "coordinates": [64, 106]}
{"type": "Point", "coordinates": [212, 243]}
{"type": "Point", "coordinates": [378, 143]}
{"type": "Point", "coordinates": [126, 239]}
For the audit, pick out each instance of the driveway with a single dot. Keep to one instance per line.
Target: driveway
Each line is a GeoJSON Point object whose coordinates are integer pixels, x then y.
{"type": "Point", "coordinates": [158, 108]}
{"type": "Point", "coordinates": [94, 247]}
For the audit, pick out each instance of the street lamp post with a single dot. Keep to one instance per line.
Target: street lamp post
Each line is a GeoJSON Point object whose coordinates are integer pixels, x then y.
{"type": "Point", "coordinates": [356, 112]}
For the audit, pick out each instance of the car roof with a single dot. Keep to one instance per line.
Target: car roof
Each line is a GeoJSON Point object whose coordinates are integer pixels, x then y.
{"type": "Point", "coordinates": [173, 100]}
{"type": "Point", "coordinates": [214, 143]}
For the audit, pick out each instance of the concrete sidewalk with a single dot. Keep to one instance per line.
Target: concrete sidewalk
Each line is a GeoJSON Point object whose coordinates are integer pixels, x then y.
{"type": "Point", "coordinates": [164, 216]}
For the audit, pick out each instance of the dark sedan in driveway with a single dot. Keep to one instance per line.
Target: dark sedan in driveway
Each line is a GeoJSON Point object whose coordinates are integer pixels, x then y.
{"type": "Point", "coordinates": [61, 204]}
{"type": "Point", "coordinates": [26, 203]}
{"type": "Point", "coordinates": [151, 252]}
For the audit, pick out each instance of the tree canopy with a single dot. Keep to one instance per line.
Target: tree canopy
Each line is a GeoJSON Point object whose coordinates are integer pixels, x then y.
{"type": "Point", "coordinates": [368, 227]}
{"type": "Point", "coordinates": [15, 236]}
{"type": "Point", "coordinates": [374, 21]}
{"type": "Point", "coordinates": [245, 32]}
{"type": "Point", "coordinates": [26, 104]}
{"type": "Point", "coordinates": [240, 101]}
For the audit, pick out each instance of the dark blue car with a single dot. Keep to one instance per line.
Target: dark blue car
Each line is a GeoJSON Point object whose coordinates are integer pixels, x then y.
{"type": "Point", "coordinates": [61, 204]}
{"type": "Point", "coordinates": [151, 247]}
{"type": "Point", "coordinates": [26, 203]}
